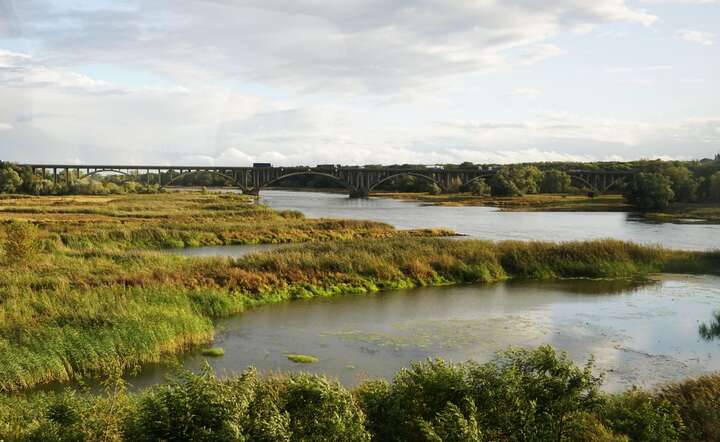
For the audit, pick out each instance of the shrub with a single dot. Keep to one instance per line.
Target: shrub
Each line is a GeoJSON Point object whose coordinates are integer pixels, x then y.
{"type": "Point", "coordinates": [321, 410]}
{"type": "Point", "coordinates": [194, 407]}
{"type": "Point", "coordinates": [698, 403]}
{"type": "Point", "coordinates": [532, 394]}
{"type": "Point", "coordinates": [640, 416]}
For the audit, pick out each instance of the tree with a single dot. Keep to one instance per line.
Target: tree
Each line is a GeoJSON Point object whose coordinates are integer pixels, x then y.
{"type": "Point", "coordinates": [650, 191]}
{"type": "Point", "coordinates": [555, 181]}
{"type": "Point", "coordinates": [479, 187]}
{"type": "Point", "coordinates": [516, 181]}
{"type": "Point", "coordinates": [683, 183]}
{"type": "Point", "coordinates": [10, 180]}
{"type": "Point", "coordinates": [713, 187]}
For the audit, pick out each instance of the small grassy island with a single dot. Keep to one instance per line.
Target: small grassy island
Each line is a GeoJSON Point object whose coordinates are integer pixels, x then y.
{"type": "Point", "coordinates": [85, 291]}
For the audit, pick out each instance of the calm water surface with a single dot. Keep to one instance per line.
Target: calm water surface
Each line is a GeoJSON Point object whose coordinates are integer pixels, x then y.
{"type": "Point", "coordinates": [490, 223]}
{"type": "Point", "coordinates": [639, 334]}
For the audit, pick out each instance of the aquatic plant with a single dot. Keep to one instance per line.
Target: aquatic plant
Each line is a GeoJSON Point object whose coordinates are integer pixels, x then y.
{"type": "Point", "coordinates": [302, 359]}
{"type": "Point", "coordinates": [214, 352]}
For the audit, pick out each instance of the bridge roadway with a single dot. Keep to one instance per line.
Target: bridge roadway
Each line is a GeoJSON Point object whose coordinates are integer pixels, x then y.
{"type": "Point", "coordinates": [359, 181]}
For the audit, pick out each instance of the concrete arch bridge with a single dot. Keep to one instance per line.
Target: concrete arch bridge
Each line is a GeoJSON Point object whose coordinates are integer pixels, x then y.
{"type": "Point", "coordinates": [359, 181]}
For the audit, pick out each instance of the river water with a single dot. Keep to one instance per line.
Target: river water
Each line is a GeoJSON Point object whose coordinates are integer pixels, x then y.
{"type": "Point", "coordinates": [491, 223]}
{"type": "Point", "coordinates": [639, 333]}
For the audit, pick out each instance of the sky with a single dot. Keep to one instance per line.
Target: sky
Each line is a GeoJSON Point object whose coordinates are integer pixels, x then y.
{"type": "Point", "coordinates": [304, 82]}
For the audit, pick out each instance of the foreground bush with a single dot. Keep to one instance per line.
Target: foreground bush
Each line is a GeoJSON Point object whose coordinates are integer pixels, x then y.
{"type": "Point", "coordinates": [522, 395]}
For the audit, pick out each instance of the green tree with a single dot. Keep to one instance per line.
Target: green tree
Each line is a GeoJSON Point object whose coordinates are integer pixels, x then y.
{"type": "Point", "coordinates": [10, 180]}
{"type": "Point", "coordinates": [555, 181]}
{"type": "Point", "coordinates": [650, 191]}
{"type": "Point", "coordinates": [479, 187]}
{"type": "Point", "coordinates": [516, 180]}
{"type": "Point", "coordinates": [683, 183]}
{"type": "Point", "coordinates": [713, 187]}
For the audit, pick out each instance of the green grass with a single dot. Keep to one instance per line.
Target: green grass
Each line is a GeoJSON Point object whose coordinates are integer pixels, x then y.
{"type": "Point", "coordinates": [302, 359]}
{"type": "Point", "coordinates": [214, 352]}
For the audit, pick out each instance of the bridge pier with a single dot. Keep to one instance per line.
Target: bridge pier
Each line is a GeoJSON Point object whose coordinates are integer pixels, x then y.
{"type": "Point", "coordinates": [360, 193]}
{"type": "Point", "coordinates": [253, 192]}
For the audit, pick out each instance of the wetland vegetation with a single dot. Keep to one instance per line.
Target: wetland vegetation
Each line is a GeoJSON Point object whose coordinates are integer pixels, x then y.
{"type": "Point", "coordinates": [83, 291]}
{"type": "Point", "coordinates": [519, 395]}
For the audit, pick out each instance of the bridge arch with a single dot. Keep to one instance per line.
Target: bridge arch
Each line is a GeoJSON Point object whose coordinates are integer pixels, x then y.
{"type": "Point", "coordinates": [337, 179]}
{"type": "Point", "coordinates": [213, 172]}
{"type": "Point", "coordinates": [615, 182]}
{"type": "Point", "coordinates": [95, 172]}
{"type": "Point", "coordinates": [415, 174]}
{"type": "Point", "coordinates": [479, 177]}
{"type": "Point", "coordinates": [584, 182]}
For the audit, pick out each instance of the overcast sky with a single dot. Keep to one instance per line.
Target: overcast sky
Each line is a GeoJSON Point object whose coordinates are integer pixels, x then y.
{"type": "Point", "coordinates": [358, 81]}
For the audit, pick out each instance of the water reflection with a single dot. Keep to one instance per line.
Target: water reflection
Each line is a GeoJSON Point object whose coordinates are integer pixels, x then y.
{"type": "Point", "coordinates": [711, 330]}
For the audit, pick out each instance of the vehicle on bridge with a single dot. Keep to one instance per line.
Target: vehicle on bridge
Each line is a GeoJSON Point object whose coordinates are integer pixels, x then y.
{"type": "Point", "coordinates": [262, 165]}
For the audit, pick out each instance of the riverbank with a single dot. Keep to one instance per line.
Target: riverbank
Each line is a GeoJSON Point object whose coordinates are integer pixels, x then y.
{"type": "Point", "coordinates": [520, 394]}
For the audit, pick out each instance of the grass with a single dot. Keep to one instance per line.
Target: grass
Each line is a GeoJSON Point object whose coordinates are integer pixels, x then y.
{"type": "Point", "coordinates": [100, 302]}
{"type": "Point", "coordinates": [302, 359]}
{"type": "Point", "coordinates": [214, 352]}
{"type": "Point", "coordinates": [539, 202]}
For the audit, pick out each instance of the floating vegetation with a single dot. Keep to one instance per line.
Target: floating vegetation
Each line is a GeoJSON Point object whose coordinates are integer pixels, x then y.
{"type": "Point", "coordinates": [214, 352]}
{"type": "Point", "coordinates": [302, 359]}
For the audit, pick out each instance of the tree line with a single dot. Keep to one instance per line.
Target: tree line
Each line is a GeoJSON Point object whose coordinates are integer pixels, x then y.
{"type": "Point", "coordinates": [657, 185]}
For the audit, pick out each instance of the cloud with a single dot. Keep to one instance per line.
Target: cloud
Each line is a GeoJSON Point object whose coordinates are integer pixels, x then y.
{"type": "Point", "coordinates": [5, 126]}
{"type": "Point", "coordinates": [315, 46]}
{"type": "Point", "coordinates": [526, 92]}
{"type": "Point", "coordinates": [317, 81]}
{"type": "Point", "coordinates": [697, 37]}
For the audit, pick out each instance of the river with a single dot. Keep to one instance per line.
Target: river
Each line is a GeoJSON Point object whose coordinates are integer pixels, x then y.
{"type": "Point", "coordinates": [494, 224]}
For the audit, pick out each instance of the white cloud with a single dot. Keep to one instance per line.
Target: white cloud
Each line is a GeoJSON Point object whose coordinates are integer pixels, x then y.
{"type": "Point", "coordinates": [697, 37]}
{"type": "Point", "coordinates": [317, 46]}
{"type": "Point", "coordinates": [320, 81]}
{"type": "Point", "coordinates": [526, 92]}
{"type": "Point", "coordinates": [5, 126]}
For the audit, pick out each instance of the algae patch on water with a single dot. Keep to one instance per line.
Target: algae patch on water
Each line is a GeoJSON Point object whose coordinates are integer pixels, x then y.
{"type": "Point", "coordinates": [214, 352]}
{"type": "Point", "coordinates": [302, 359]}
